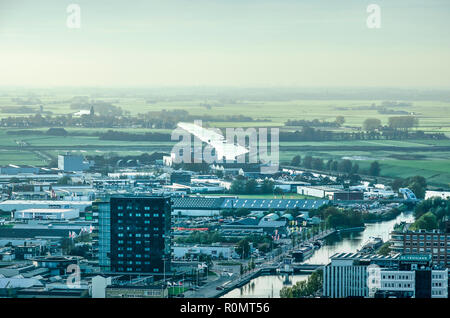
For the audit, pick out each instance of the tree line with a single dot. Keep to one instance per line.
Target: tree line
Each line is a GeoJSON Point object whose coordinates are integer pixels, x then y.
{"type": "Point", "coordinates": [344, 166]}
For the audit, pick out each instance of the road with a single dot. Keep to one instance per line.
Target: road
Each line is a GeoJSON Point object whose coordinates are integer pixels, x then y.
{"type": "Point", "coordinates": [209, 290]}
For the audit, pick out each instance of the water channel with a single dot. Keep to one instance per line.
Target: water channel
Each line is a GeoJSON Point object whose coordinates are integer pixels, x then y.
{"type": "Point", "coordinates": [270, 286]}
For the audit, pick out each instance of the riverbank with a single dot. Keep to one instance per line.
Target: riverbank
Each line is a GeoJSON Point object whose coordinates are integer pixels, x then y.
{"type": "Point", "coordinates": [266, 286]}
{"type": "Point", "coordinates": [387, 216]}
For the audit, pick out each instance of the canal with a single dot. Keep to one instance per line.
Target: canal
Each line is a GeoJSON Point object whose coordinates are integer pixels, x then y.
{"type": "Point", "coordinates": [270, 286]}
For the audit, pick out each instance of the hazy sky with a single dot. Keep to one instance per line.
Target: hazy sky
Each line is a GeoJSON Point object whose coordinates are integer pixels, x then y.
{"type": "Point", "coordinates": [225, 42]}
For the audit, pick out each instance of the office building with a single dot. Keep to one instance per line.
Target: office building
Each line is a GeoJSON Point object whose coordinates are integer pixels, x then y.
{"type": "Point", "coordinates": [399, 276]}
{"type": "Point", "coordinates": [46, 214]}
{"type": "Point", "coordinates": [135, 234]}
{"type": "Point", "coordinates": [432, 242]}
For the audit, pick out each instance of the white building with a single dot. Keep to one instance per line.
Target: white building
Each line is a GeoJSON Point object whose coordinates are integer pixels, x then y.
{"type": "Point", "coordinates": [439, 283]}
{"type": "Point", "coordinates": [70, 162]}
{"type": "Point", "coordinates": [47, 214]}
{"type": "Point", "coordinates": [319, 191]}
{"type": "Point", "coordinates": [405, 282]}
{"type": "Point", "coordinates": [441, 194]}
{"type": "Point", "coordinates": [18, 205]}
{"type": "Point", "coordinates": [359, 275]}
{"type": "Point", "coordinates": [343, 278]}
{"type": "Point", "coordinates": [379, 193]}
{"type": "Point", "coordinates": [215, 252]}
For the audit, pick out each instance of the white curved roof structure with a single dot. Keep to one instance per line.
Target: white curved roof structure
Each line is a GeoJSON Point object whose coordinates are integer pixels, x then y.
{"type": "Point", "coordinates": [224, 149]}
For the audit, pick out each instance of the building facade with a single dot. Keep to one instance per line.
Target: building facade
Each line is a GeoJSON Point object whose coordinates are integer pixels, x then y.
{"type": "Point", "coordinates": [135, 234]}
{"type": "Point", "coordinates": [433, 242]}
{"type": "Point", "coordinates": [69, 162]}
{"type": "Point", "coordinates": [399, 276]}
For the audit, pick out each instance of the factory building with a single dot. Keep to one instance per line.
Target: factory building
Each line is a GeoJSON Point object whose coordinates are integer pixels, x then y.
{"type": "Point", "coordinates": [46, 214]}
{"type": "Point", "coordinates": [70, 162]}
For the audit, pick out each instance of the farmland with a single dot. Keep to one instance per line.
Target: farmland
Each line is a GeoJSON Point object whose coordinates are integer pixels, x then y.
{"type": "Point", "coordinates": [398, 158]}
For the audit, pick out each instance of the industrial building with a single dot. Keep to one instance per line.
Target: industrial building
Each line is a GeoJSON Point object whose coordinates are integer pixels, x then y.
{"type": "Point", "coordinates": [15, 169]}
{"type": "Point", "coordinates": [210, 206]}
{"type": "Point", "coordinates": [215, 251]}
{"type": "Point", "coordinates": [330, 192]}
{"type": "Point", "coordinates": [70, 162]}
{"type": "Point", "coordinates": [18, 205]}
{"type": "Point", "coordinates": [46, 214]}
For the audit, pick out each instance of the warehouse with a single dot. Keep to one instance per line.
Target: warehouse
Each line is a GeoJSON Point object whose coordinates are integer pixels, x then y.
{"type": "Point", "coordinates": [17, 205]}
{"type": "Point", "coordinates": [319, 191]}
{"type": "Point", "coordinates": [210, 206]}
{"type": "Point", "coordinates": [47, 214]}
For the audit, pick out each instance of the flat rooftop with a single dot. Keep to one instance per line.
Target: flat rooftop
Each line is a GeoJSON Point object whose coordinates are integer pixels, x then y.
{"type": "Point", "coordinates": [49, 211]}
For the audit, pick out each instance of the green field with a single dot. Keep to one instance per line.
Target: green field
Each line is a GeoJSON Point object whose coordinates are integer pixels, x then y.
{"type": "Point", "coordinates": [433, 115]}
{"type": "Point", "coordinates": [398, 158]}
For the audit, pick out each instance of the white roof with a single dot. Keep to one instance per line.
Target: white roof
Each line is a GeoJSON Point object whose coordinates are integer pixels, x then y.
{"type": "Point", "coordinates": [19, 282]}
{"type": "Point", "coordinates": [47, 210]}
{"type": "Point", "coordinates": [49, 202]}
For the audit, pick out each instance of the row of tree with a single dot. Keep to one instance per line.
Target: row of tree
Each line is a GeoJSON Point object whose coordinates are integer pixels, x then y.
{"type": "Point", "coordinates": [306, 288]}
{"type": "Point", "coordinates": [338, 218]}
{"type": "Point", "coordinates": [431, 214]}
{"type": "Point", "coordinates": [396, 123]}
{"type": "Point", "coordinates": [344, 166]}
{"type": "Point", "coordinates": [416, 184]}
{"type": "Point", "coordinates": [240, 185]}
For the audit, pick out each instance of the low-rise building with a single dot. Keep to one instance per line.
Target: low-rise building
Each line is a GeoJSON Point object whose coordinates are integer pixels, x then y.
{"type": "Point", "coordinates": [46, 214]}
{"type": "Point", "coordinates": [214, 251]}
{"type": "Point", "coordinates": [400, 276]}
